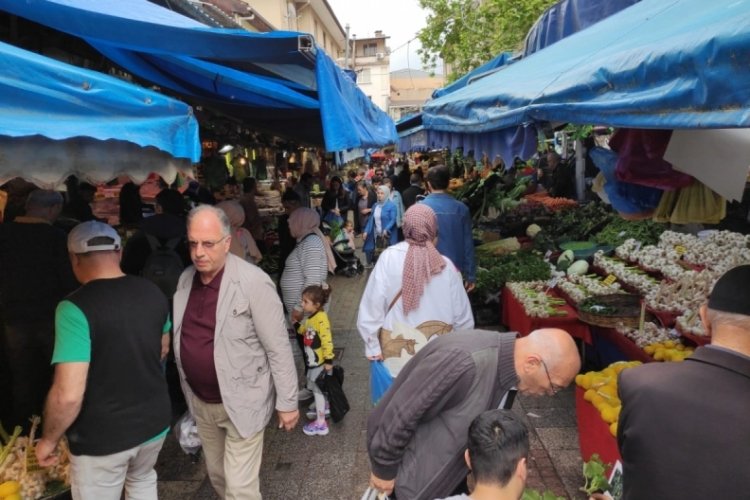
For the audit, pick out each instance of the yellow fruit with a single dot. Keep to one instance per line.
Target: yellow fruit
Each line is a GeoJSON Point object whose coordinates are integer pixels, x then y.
{"type": "Point", "coordinates": [613, 428]}
{"type": "Point", "coordinates": [9, 488]}
{"type": "Point", "coordinates": [589, 395]}
{"type": "Point", "coordinates": [608, 414]}
{"type": "Point", "coordinates": [669, 344]}
{"type": "Point", "coordinates": [659, 355]}
{"type": "Point", "coordinates": [608, 392]}
{"type": "Point", "coordinates": [597, 400]}
{"type": "Point", "coordinates": [579, 380]}
{"type": "Point", "coordinates": [680, 347]}
{"type": "Point", "coordinates": [14, 496]}
{"type": "Point", "coordinates": [650, 349]}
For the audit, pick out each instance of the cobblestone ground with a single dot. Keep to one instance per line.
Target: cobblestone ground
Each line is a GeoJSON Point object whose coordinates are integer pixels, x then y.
{"type": "Point", "coordinates": [336, 466]}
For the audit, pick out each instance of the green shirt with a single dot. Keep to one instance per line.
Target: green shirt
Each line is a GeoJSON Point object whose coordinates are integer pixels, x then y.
{"type": "Point", "coordinates": [72, 336]}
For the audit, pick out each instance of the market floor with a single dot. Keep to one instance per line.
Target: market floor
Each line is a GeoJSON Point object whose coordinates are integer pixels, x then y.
{"type": "Point", "coordinates": [336, 466]}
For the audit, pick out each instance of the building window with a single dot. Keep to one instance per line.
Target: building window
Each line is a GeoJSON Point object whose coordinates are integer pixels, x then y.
{"type": "Point", "coordinates": [370, 49]}
{"type": "Point", "coordinates": [365, 76]}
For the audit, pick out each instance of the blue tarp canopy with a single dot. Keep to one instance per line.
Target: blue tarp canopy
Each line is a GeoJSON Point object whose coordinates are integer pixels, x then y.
{"type": "Point", "coordinates": [279, 81]}
{"type": "Point", "coordinates": [656, 64]}
{"type": "Point", "coordinates": [484, 69]}
{"type": "Point", "coordinates": [567, 17]}
{"type": "Point", "coordinates": [41, 96]}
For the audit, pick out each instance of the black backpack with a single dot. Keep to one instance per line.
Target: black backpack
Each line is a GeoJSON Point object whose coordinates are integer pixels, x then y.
{"type": "Point", "coordinates": [164, 266]}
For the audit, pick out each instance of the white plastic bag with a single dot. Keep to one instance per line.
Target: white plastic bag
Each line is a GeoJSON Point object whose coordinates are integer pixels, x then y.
{"type": "Point", "coordinates": [373, 494]}
{"type": "Point", "coordinates": [186, 432]}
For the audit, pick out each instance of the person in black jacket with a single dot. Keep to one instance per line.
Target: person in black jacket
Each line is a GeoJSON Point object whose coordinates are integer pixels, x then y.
{"type": "Point", "coordinates": [366, 198]}
{"type": "Point", "coordinates": [693, 416]}
{"type": "Point", "coordinates": [168, 223]}
{"type": "Point", "coordinates": [409, 196]}
{"type": "Point", "coordinates": [335, 200]}
{"type": "Point", "coordinates": [35, 274]}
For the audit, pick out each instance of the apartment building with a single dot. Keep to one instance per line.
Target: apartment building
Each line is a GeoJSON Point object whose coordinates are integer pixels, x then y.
{"type": "Point", "coordinates": [410, 90]}
{"type": "Point", "coordinates": [371, 60]}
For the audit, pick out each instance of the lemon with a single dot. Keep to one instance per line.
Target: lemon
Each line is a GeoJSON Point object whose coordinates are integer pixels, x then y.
{"type": "Point", "coordinates": [608, 414]}
{"type": "Point", "coordinates": [650, 349]}
{"type": "Point", "coordinates": [589, 395]}
{"type": "Point", "coordinates": [659, 355]}
{"type": "Point", "coordinates": [680, 347]}
{"type": "Point", "coordinates": [579, 380]}
{"type": "Point", "coordinates": [9, 488]}
{"type": "Point", "coordinates": [14, 496]}
{"type": "Point", "coordinates": [613, 428]}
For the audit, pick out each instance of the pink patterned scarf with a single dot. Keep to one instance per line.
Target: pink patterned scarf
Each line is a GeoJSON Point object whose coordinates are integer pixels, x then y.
{"type": "Point", "coordinates": [422, 259]}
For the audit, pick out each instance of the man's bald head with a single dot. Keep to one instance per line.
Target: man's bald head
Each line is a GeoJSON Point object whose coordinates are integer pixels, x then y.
{"type": "Point", "coordinates": [546, 360]}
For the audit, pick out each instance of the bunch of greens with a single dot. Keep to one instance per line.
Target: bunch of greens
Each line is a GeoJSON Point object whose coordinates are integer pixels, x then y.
{"type": "Point", "coordinates": [494, 271]}
{"type": "Point", "coordinates": [619, 230]}
{"type": "Point", "coordinates": [575, 224]}
{"type": "Point", "coordinates": [529, 494]}
{"type": "Point", "coordinates": [594, 472]}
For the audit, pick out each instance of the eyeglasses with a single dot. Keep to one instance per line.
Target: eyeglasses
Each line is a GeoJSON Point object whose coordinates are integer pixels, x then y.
{"type": "Point", "coordinates": [552, 387]}
{"type": "Point", "coordinates": [208, 245]}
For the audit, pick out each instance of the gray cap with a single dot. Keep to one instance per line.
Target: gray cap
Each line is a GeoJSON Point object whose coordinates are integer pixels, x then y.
{"type": "Point", "coordinates": [93, 236]}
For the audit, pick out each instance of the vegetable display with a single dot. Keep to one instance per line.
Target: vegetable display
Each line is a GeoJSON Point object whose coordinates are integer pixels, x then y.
{"type": "Point", "coordinates": [494, 271]}
{"type": "Point", "coordinates": [535, 300]}
{"type": "Point", "coordinates": [594, 471]}
{"type": "Point", "coordinates": [18, 466]}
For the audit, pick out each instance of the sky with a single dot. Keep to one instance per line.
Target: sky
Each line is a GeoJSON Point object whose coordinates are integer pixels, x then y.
{"type": "Point", "coordinates": [398, 19]}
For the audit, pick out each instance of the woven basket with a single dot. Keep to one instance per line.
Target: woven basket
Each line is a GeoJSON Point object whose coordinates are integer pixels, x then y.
{"type": "Point", "coordinates": [627, 311]}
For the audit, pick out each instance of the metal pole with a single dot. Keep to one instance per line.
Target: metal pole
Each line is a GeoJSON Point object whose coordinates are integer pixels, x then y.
{"type": "Point", "coordinates": [580, 170]}
{"type": "Point", "coordinates": [346, 52]}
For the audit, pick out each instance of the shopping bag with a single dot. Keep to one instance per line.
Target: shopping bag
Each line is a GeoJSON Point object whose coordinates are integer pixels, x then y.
{"type": "Point", "coordinates": [380, 380]}
{"type": "Point", "coordinates": [330, 385]}
{"type": "Point", "coordinates": [373, 494]}
{"type": "Point", "coordinates": [186, 432]}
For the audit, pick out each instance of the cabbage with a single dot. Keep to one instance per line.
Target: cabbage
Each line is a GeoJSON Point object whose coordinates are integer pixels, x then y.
{"type": "Point", "coordinates": [533, 230]}
{"type": "Point", "coordinates": [579, 267]}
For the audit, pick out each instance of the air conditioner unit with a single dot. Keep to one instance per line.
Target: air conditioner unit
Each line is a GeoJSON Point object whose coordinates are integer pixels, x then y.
{"type": "Point", "coordinates": [380, 55]}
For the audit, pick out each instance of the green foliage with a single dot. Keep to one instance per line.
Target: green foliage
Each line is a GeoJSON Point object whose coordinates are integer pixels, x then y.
{"type": "Point", "coordinates": [529, 494]}
{"type": "Point", "coordinates": [594, 472]}
{"type": "Point", "coordinates": [494, 271]}
{"type": "Point", "coordinates": [468, 33]}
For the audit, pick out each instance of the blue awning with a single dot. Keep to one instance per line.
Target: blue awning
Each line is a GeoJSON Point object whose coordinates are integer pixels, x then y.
{"type": "Point", "coordinates": [567, 17]}
{"type": "Point", "coordinates": [489, 67]}
{"type": "Point", "coordinates": [656, 64]}
{"type": "Point", "coordinates": [279, 82]}
{"type": "Point", "coordinates": [43, 97]}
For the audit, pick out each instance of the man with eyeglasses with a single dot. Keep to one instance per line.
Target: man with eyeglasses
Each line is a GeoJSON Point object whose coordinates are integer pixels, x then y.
{"type": "Point", "coordinates": [416, 434]}
{"type": "Point", "coordinates": [233, 354]}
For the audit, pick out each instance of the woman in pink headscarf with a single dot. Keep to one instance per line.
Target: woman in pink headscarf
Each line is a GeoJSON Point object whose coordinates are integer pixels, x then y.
{"type": "Point", "coordinates": [310, 261]}
{"type": "Point", "coordinates": [413, 293]}
{"type": "Point", "coordinates": [243, 245]}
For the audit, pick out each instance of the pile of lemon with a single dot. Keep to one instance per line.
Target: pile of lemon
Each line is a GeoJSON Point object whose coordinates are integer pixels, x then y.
{"type": "Point", "coordinates": [669, 350]}
{"type": "Point", "coordinates": [10, 490]}
{"type": "Point", "coordinates": [601, 391]}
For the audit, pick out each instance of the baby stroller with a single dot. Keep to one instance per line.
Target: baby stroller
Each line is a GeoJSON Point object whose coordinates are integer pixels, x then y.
{"type": "Point", "coordinates": [347, 263]}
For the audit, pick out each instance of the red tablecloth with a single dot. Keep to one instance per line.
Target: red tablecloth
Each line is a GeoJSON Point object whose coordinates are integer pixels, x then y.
{"type": "Point", "coordinates": [516, 319]}
{"type": "Point", "coordinates": [624, 344]}
{"type": "Point", "coordinates": [593, 432]}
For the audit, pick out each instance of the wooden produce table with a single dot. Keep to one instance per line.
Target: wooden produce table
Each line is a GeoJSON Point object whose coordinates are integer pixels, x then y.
{"type": "Point", "coordinates": [593, 432]}
{"type": "Point", "coordinates": [515, 318]}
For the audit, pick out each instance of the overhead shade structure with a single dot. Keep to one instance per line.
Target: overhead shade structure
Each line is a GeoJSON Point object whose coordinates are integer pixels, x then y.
{"type": "Point", "coordinates": [567, 17]}
{"type": "Point", "coordinates": [44, 101]}
{"type": "Point", "coordinates": [656, 64]}
{"type": "Point", "coordinates": [279, 81]}
{"type": "Point", "coordinates": [483, 70]}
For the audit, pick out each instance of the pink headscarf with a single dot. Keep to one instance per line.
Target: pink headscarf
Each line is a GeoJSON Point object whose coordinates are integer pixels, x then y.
{"type": "Point", "coordinates": [304, 221]}
{"type": "Point", "coordinates": [423, 261]}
